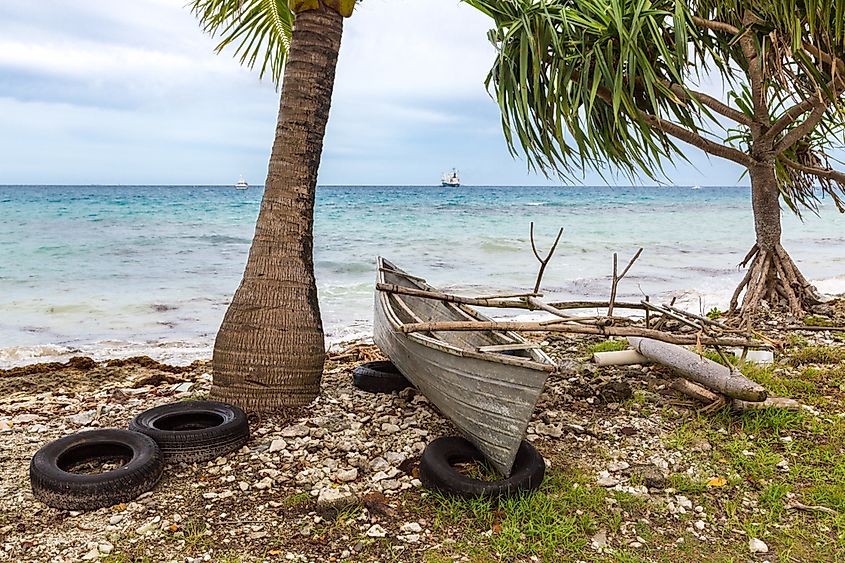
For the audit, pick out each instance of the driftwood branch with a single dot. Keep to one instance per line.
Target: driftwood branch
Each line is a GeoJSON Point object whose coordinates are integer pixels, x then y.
{"type": "Point", "coordinates": [708, 373]}
{"type": "Point", "coordinates": [795, 505]}
{"type": "Point", "coordinates": [543, 261]}
{"type": "Point", "coordinates": [617, 278]}
{"type": "Point", "coordinates": [769, 403]}
{"type": "Point", "coordinates": [563, 326]}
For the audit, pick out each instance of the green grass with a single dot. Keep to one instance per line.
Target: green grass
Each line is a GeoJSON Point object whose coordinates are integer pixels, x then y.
{"type": "Point", "coordinates": [817, 355]}
{"type": "Point", "coordinates": [815, 320]}
{"type": "Point", "coordinates": [608, 346]}
{"type": "Point", "coordinates": [557, 519]}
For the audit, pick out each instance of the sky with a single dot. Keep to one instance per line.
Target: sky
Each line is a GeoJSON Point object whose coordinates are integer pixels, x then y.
{"type": "Point", "coordinates": [104, 92]}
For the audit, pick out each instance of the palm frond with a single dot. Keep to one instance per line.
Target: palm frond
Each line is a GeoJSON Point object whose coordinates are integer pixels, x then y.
{"type": "Point", "coordinates": [259, 31]}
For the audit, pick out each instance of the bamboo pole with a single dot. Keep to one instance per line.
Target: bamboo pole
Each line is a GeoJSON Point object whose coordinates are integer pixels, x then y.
{"type": "Point", "coordinates": [562, 326]}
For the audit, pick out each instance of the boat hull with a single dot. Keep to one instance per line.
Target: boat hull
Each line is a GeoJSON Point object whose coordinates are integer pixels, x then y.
{"type": "Point", "coordinates": [490, 399]}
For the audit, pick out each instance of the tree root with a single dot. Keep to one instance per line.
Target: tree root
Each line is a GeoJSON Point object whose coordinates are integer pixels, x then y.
{"type": "Point", "coordinates": [773, 278]}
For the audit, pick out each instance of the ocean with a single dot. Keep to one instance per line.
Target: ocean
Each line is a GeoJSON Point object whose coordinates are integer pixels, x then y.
{"type": "Point", "coordinates": [113, 271]}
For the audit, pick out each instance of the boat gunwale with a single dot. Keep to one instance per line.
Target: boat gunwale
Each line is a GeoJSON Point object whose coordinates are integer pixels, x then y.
{"type": "Point", "coordinates": [384, 266]}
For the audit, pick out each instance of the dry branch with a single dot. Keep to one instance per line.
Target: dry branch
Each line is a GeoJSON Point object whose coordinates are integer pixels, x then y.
{"type": "Point", "coordinates": [617, 279]}
{"type": "Point", "coordinates": [543, 261]}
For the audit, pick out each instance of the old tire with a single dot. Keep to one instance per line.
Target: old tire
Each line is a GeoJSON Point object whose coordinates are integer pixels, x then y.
{"type": "Point", "coordinates": [379, 377]}
{"type": "Point", "coordinates": [194, 431]}
{"type": "Point", "coordinates": [54, 485]}
{"type": "Point", "coordinates": [437, 470]}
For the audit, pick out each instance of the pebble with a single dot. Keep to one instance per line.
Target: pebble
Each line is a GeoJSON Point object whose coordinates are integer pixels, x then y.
{"type": "Point", "coordinates": [411, 527]}
{"type": "Point", "coordinates": [277, 445]}
{"type": "Point", "coordinates": [757, 546]}
{"type": "Point", "coordinates": [333, 497]}
{"type": "Point", "coordinates": [376, 531]}
{"type": "Point", "coordinates": [348, 475]}
{"type": "Point", "coordinates": [265, 483]}
{"type": "Point", "coordinates": [295, 431]}
{"type": "Point", "coordinates": [84, 418]}
{"type": "Point", "coordinates": [148, 527]}
{"type": "Point", "coordinates": [116, 519]}
{"type": "Point", "coordinates": [606, 479]}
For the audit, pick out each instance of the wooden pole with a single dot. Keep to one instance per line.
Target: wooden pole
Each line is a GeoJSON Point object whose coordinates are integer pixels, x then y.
{"type": "Point", "coordinates": [562, 326]}
{"type": "Point", "coordinates": [708, 373]}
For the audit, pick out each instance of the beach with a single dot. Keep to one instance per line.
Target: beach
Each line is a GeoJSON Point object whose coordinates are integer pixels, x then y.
{"type": "Point", "coordinates": [118, 271]}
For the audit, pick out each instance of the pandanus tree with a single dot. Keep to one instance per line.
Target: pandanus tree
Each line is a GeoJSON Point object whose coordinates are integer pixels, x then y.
{"type": "Point", "coordinates": [616, 84]}
{"type": "Point", "coordinates": [269, 352]}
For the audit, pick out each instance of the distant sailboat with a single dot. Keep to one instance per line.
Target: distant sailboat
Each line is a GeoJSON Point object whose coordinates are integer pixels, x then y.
{"type": "Point", "coordinates": [241, 185]}
{"type": "Point", "coordinates": [451, 179]}
{"type": "Point", "coordinates": [696, 187]}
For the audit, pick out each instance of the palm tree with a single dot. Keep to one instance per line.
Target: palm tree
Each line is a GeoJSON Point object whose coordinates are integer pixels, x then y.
{"type": "Point", "coordinates": [269, 352]}
{"type": "Point", "coordinates": [613, 83]}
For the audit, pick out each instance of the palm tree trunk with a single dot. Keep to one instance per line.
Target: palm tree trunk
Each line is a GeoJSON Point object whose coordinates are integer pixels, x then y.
{"type": "Point", "coordinates": [270, 350]}
{"type": "Point", "coordinates": [772, 276]}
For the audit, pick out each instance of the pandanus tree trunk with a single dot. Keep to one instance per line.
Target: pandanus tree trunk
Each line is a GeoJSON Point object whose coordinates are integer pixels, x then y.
{"type": "Point", "coordinates": [269, 352]}
{"type": "Point", "coordinates": [772, 276]}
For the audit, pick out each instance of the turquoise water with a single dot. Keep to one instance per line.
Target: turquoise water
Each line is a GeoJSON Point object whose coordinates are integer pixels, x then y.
{"type": "Point", "coordinates": [118, 270]}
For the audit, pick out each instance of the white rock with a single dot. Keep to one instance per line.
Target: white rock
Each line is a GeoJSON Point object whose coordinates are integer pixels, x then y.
{"type": "Point", "coordinates": [84, 418]}
{"type": "Point", "coordinates": [376, 531]}
{"type": "Point", "coordinates": [348, 475]}
{"type": "Point", "coordinates": [265, 483]}
{"type": "Point", "coordinates": [380, 464]}
{"type": "Point", "coordinates": [378, 476]}
{"type": "Point", "coordinates": [105, 548]}
{"type": "Point", "coordinates": [183, 387]}
{"type": "Point", "coordinates": [91, 555]}
{"type": "Point", "coordinates": [277, 445]}
{"type": "Point", "coordinates": [699, 525]}
{"type": "Point", "coordinates": [388, 428]}
{"type": "Point", "coordinates": [410, 538]}
{"type": "Point", "coordinates": [757, 546]}
{"type": "Point", "coordinates": [617, 466]}
{"type": "Point", "coordinates": [243, 485]}
{"type": "Point", "coordinates": [599, 540]}
{"type": "Point", "coordinates": [148, 527]}
{"type": "Point", "coordinates": [606, 479]}
{"type": "Point", "coordinates": [295, 431]}
{"type": "Point", "coordinates": [116, 519]}
{"type": "Point", "coordinates": [411, 527]}
{"type": "Point", "coordinates": [330, 497]}
{"type": "Point", "coordinates": [394, 458]}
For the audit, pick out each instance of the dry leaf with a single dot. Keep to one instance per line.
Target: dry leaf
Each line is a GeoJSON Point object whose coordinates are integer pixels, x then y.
{"type": "Point", "coordinates": [717, 482]}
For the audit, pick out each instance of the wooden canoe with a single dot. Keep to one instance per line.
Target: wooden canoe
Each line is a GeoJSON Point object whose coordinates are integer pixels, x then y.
{"type": "Point", "coordinates": [486, 382]}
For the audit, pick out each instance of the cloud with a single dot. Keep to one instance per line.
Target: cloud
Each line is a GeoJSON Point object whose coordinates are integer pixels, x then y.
{"type": "Point", "coordinates": [96, 91]}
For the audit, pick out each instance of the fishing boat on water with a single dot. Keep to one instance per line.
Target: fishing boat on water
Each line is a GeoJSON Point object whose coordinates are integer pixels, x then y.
{"type": "Point", "coordinates": [451, 179]}
{"type": "Point", "coordinates": [241, 184]}
{"type": "Point", "coordinates": [487, 382]}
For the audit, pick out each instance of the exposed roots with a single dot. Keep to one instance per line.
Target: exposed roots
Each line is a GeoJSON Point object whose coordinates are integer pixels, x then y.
{"type": "Point", "coordinates": [772, 277]}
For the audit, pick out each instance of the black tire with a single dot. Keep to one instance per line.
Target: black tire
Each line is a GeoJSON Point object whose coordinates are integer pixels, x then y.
{"type": "Point", "coordinates": [194, 431]}
{"type": "Point", "coordinates": [379, 377]}
{"type": "Point", "coordinates": [437, 470]}
{"type": "Point", "coordinates": [55, 486]}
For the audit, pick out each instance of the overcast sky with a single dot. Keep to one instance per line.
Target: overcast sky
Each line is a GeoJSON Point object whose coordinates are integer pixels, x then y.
{"type": "Point", "coordinates": [98, 91]}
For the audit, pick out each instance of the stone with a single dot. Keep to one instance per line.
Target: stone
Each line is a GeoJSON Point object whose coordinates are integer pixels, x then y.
{"type": "Point", "coordinates": [265, 483]}
{"type": "Point", "coordinates": [277, 445]}
{"type": "Point", "coordinates": [411, 527]}
{"type": "Point", "coordinates": [605, 479]}
{"type": "Point", "coordinates": [347, 475]}
{"type": "Point", "coordinates": [376, 531]}
{"type": "Point", "coordinates": [334, 497]}
{"type": "Point", "coordinates": [388, 428]}
{"type": "Point", "coordinates": [148, 527]}
{"type": "Point", "coordinates": [699, 525]}
{"type": "Point", "coordinates": [757, 546]}
{"type": "Point", "coordinates": [295, 431]}
{"type": "Point", "coordinates": [105, 548]}
{"type": "Point", "coordinates": [91, 555]}
{"type": "Point", "coordinates": [599, 540]}
{"type": "Point", "coordinates": [116, 519]}
{"type": "Point", "coordinates": [651, 475]}
{"type": "Point", "coordinates": [83, 418]}
{"type": "Point", "coordinates": [380, 464]}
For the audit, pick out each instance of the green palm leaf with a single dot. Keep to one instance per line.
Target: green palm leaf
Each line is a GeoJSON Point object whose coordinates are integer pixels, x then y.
{"type": "Point", "coordinates": [259, 30]}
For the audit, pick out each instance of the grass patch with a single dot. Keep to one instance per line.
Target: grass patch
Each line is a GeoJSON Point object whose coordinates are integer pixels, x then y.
{"type": "Point", "coordinates": [556, 520]}
{"type": "Point", "coordinates": [815, 320]}
{"type": "Point", "coordinates": [299, 499]}
{"type": "Point", "coordinates": [608, 346]}
{"type": "Point", "coordinates": [817, 355]}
